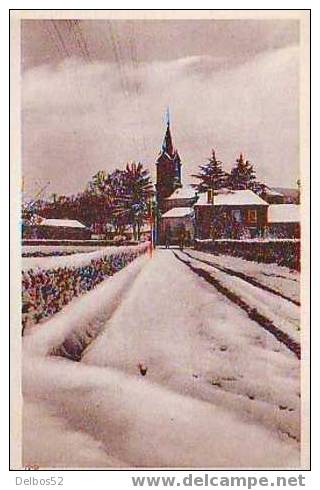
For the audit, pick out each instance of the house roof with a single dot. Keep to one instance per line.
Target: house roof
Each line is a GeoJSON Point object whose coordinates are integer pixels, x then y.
{"type": "Point", "coordinates": [66, 223]}
{"type": "Point", "coordinates": [273, 192]}
{"type": "Point", "coordinates": [227, 197]}
{"type": "Point", "coordinates": [187, 192]}
{"type": "Point", "coordinates": [178, 213]}
{"type": "Point", "coordinates": [288, 192]}
{"type": "Point", "coordinates": [284, 213]}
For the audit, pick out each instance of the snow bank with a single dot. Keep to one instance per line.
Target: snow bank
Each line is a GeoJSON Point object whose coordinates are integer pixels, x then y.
{"type": "Point", "coordinates": [220, 391]}
{"type": "Point", "coordinates": [137, 422]}
{"type": "Point", "coordinates": [48, 284]}
{"type": "Point", "coordinates": [52, 443]}
{"type": "Point", "coordinates": [84, 317]}
{"type": "Point", "coordinates": [285, 281]}
{"type": "Point", "coordinates": [80, 259]}
{"type": "Point", "coordinates": [197, 343]}
{"type": "Point", "coordinates": [47, 250]}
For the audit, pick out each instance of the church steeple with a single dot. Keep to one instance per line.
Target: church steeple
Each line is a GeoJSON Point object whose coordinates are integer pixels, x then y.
{"type": "Point", "coordinates": [168, 166]}
{"type": "Point", "coordinates": [167, 145]}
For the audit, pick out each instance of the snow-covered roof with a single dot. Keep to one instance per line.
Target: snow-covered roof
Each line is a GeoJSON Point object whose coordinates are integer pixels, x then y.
{"type": "Point", "coordinates": [227, 197]}
{"type": "Point", "coordinates": [178, 213]}
{"type": "Point", "coordinates": [273, 192]}
{"type": "Point", "coordinates": [284, 213]}
{"type": "Point", "coordinates": [66, 223]}
{"type": "Point", "coordinates": [187, 192]}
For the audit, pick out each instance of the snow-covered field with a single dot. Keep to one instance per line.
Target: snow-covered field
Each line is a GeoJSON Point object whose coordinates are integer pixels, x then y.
{"type": "Point", "coordinates": [77, 259]}
{"type": "Point", "coordinates": [56, 249]}
{"type": "Point", "coordinates": [220, 391]}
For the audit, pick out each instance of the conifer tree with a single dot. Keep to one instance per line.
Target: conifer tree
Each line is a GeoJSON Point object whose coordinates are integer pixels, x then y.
{"type": "Point", "coordinates": [242, 175]}
{"type": "Point", "coordinates": [211, 175]}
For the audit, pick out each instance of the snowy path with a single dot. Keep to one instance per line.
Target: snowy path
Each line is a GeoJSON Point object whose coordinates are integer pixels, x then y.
{"type": "Point", "coordinates": [283, 314]}
{"type": "Point", "coordinates": [220, 391]}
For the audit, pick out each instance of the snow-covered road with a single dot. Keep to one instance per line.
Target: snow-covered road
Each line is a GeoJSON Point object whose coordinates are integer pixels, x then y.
{"type": "Point", "coordinates": [220, 391]}
{"type": "Point", "coordinates": [280, 314]}
{"type": "Point", "coordinates": [279, 279]}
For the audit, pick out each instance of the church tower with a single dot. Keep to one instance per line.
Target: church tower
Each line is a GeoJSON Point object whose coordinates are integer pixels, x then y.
{"type": "Point", "coordinates": [168, 168]}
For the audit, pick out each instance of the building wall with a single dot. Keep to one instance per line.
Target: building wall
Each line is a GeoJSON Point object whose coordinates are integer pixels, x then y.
{"type": "Point", "coordinates": [230, 221]}
{"type": "Point", "coordinates": [55, 232]}
{"type": "Point", "coordinates": [168, 178]}
{"type": "Point", "coordinates": [273, 199]}
{"type": "Point", "coordinates": [175, 224]}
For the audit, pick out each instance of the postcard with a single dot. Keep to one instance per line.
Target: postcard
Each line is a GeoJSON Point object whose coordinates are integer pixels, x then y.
{"type": "Point", "coordinates": [160, 239]}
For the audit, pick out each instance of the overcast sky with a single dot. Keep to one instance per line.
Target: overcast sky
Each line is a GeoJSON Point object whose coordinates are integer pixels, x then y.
{"type": "Point", "coordinates": [94, 94]}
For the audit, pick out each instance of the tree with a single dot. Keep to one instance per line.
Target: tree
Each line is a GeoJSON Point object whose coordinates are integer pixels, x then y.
{"type": "Point", "coordinates": [211, 175]}
{"type": "Point", "coordinates": [242, 175]}
{"type": "Point", "coordinates": [134, 200]}
{"type": "Point", "coordinates": [98, 199]}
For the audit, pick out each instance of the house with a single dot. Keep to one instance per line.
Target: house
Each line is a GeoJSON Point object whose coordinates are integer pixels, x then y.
{"type": "Point", "coordinates": [173, 219]}
{"type": "Point", "coordinates": [284, 220]}
{"type": "Point", "coordinates": [273, 196]}
{"type": "Point", "coordinates": [224, 213]}
{"type": "Point", "coordinates": [230, 214]}
{"type": "Point", "coordinates": [55, 229]}
{"type": "Point", "coordinates": [290, 195]}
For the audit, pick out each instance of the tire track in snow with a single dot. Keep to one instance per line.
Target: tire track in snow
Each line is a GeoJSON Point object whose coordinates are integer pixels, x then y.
{"type": "Point", "coordinates": [252, 313]}
{"type": "Point", "coordinates": [244, 277]}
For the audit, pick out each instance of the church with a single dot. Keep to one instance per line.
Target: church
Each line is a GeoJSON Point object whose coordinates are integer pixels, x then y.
{"type": "Point", "coordinates": [175, 202]}
{"type": "Point", "coordinates": [228, 214]}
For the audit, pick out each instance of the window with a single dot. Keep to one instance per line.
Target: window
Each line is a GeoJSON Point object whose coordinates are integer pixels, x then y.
{"type": "Point", "coordinates": [252, 216]}
{"type": "Point", "coordinates": [236, 215]}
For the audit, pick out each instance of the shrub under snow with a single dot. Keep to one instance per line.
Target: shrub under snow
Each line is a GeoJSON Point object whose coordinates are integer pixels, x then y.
{"type": "Point", "coordinates": [48, 284]}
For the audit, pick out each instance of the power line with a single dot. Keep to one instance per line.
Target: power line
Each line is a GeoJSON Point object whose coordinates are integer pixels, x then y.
{"type": "Point", "coordinates": [75, 30]}
{"type": "Point", "coordinates": [64, 47]}
{"type": "Point", "coordinates": [46, 26]}
{"type": "Point", "coordinates": [77, 24]}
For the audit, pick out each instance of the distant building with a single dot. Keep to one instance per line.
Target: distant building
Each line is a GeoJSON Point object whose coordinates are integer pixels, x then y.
{"type": "Point", "coordinates": [55, 229]}
{"type": "Point", "coordinates": [272, 196]}
{"type": "Point", "coordinates": [290, 195]}
{"type": "Point", "coordinates": [168, 166]}
{"type": "Point", "coordinates": [235, 214]}
{"type": "Point", "coordinates": [173, 219]}
{"type": "Point", "coordinates": [230, 214]}
{"type": "Point", "coordinates": [284, 220]}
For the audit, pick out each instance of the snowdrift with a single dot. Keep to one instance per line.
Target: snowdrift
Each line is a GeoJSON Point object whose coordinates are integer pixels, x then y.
{"type": "Point", "coordinates": [70, 331]}
{"type": "Point", "coordinates": [73, 261]}
{"type": "Point", "coordinates": [134, 422]}
{"type": "Point", "coordinates": [219, 393]}
{"type": "Point", "coordinates": [50, 283]}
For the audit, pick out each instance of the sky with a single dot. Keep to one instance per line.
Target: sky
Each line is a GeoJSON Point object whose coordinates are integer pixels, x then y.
{"type": "Point", "coordinates": [95, 93]}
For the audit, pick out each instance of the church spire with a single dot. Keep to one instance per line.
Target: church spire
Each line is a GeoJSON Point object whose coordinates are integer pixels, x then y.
{"type": "Point", "coordinates": [167, 145]}
{"type": "Point", "coordinates": [168, 166]}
